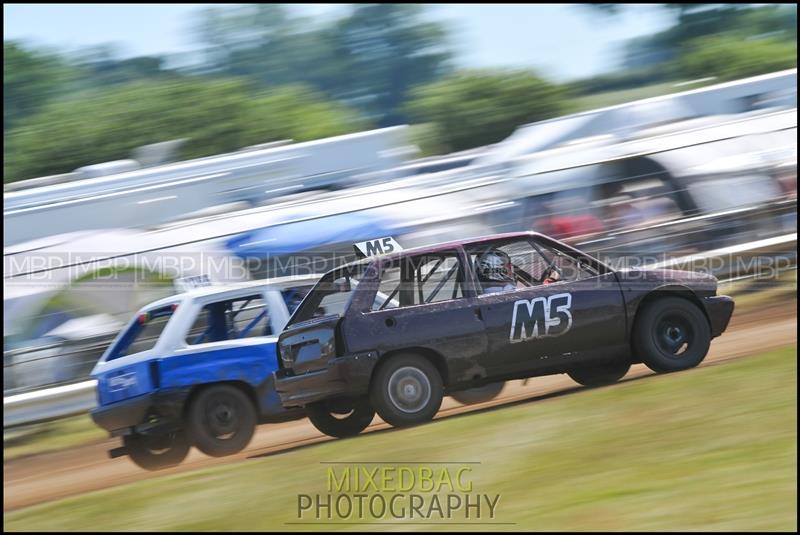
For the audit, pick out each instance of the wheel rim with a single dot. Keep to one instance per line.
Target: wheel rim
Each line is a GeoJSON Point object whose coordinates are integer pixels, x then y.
{"type": "Point", "coordinates": [674, 335]}
{"type": "Point", "coordinates": [409, 389]}
{"type": "Point", "coordinates": [223, 417]}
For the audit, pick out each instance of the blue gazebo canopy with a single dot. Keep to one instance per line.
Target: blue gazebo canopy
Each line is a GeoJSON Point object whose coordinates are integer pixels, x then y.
{"type": "Point", "coordinates": [304, 235]}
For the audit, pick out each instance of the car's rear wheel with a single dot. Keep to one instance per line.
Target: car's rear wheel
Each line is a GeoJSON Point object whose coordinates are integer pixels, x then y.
{"type": "Point", "coordinates": [671, 334]}
{"type": "Point", "coordinates": [406, 390]}
{"type": "Point", "coordinates": [156, 452]}
{"type": "Point", "coordinates": [221, 420]}
{"type": "Point", "coordinates": [599, 373]}
{"type": "Point", "coordinates": [478, 394]}
{"type": "Point", "coordinates": [341, 419]}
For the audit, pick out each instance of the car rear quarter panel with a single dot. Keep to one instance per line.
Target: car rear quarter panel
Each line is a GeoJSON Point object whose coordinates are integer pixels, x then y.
{"type": "Point", "coordinates": [250, 364]}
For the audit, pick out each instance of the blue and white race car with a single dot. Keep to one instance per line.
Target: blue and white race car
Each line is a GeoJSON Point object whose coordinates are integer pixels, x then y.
{"type": "Point", "coordinates": [196, 369]}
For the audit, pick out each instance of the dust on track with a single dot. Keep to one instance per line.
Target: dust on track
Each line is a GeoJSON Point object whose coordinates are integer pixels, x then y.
{"type": "Point", "coordinates": [50, 476]}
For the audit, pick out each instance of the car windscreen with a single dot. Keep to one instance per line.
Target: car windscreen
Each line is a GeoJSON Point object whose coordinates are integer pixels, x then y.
{"type": "Point", "coordinates": [331, 295]}
{"type": "Point", "coordinates": [143, 333]}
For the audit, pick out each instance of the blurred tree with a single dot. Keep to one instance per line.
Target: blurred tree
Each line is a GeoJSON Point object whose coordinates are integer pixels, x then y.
{"type": "Point", "coordinates": [30, 78]}
{"type": "Point", "coordinates": [475, 108]}
{"type": "Point", "coordinates": [103, 65]}
{"type": "Point", "coordinates": [730, 58]}
{"type": "Point", "coordinates": [369, 58]}
{"type": "Point", "coordinates": [216, 115]}
{"type": "Point", "coordinates": [656, 58]}
{"type": "Point", "coordinates": [694, 21]}
{"type": "Point", "coordinates": [390, 50]}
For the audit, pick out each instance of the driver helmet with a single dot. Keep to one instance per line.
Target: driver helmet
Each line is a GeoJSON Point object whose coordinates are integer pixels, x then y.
{"type": "Point", "coordinates": [494, 266]}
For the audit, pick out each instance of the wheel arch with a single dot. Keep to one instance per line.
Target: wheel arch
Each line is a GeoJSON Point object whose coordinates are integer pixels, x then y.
{"type": "Point", "coordinates": [670, 290]}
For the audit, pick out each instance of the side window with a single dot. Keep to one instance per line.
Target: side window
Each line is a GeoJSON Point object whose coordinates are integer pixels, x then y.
{"type": "Point", "coordinates": [420, 280]}
{"type": "Point", "coordinates": [439, 279]}
{"type": "Point", "coordinates": [388, 289]}
{"type": "Point", "coordinates": [518, 265]}
{"type": "Point", "coordinates": [524, 263]}
{"type": "Point", "coordinates": [569, 269]}
{"type": "Point", "coordinates": [243, 317]}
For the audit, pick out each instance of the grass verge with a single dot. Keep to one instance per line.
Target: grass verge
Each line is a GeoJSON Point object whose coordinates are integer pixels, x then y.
{"type": "Point", "coordinates": [713, 448]}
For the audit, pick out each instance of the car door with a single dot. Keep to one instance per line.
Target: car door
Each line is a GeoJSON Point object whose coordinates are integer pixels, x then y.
{"type": "Point", "coordinates": [538, 326]}
{"type": "Point", "coordinates": [425, 304]}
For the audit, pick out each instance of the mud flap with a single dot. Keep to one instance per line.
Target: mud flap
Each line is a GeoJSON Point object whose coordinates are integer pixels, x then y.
{"type": "Point", "coordinates": [121, 451]}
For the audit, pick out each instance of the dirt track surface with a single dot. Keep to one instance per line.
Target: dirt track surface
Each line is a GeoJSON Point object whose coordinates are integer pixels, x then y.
{"type": "Point", "coordinates": [49, 476]}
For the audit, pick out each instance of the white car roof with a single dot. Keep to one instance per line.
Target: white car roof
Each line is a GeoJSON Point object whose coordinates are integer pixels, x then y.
{"type": "Point", "coordinates": [277, 283]}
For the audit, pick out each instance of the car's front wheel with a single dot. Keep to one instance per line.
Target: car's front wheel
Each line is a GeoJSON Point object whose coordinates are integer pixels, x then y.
{"type": "Point", "coordinates": [156, 452]}
{"type": "Point", "coordinates": [221, 420]}
{"type": "Point", "coordinates": [341, 419]}
{"type": "Point", "coordinates": [599, 373]}
{"type": "Point", "coordinates": [407, 389]}
{"type": "Point", "coordinates": [671, 334]}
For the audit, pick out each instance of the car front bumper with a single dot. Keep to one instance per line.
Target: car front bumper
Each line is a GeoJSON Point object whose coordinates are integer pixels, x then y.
{"type": "Point", "coordinates": [346, 376]}
{"type": "Point", "coordinates": [142, 413]}
{"type": "Point", "coordinates": [720, 310]}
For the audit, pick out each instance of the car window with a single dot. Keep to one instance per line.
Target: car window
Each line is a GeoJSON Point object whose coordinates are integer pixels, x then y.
{"type": "Point", "coordinates": [527, 265]}
{"type": "Point", "coordinates": [389, 287]}
{"type": "Point", "coordinates": [243, 317]}
{"type": "Point", "coordinates": [422, 279]}
{"type": "Point", "coordinates": [143, 333]}
{"type": "Point", "coordinates": [331, 295]}
{"type": "Point", "coordinates": [532, 263]}
{"type": "Point", "coordinates": [567, 268]}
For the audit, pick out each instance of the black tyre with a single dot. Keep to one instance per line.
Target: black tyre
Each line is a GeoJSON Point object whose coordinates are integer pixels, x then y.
{"type": "Point", "coordinates": [599, 373]}
{"type": "Point", "coordinates": [406, 390]}
{"type": "Point", "coordinates": [156, 452]}
{"type": "Point", "coordinates": [671, 334]}
{"type": "Point", "coordinates": [479, 394]}
{"type": "Point", "coordinates": [221, 420]}
{"type": "Point", "coordinates": [341, 419]}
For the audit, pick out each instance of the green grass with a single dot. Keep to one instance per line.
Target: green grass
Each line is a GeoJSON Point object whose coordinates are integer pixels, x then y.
{"type": "Point", "coordinates": [50, 436]}
{"type": "Point", "coordinates": [713, 448]}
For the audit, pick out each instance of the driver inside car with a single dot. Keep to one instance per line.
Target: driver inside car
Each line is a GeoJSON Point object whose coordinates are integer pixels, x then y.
{"type": "Point", "coordinates": [495, 272]}
{"type": "Point", "coordinates": [552, 275]}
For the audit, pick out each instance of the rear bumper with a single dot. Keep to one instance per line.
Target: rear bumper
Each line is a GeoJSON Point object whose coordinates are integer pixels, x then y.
{"type": "Point", "coordinates": [720, 310]}
{"type": "Point", "coordinates": [346, 376]}
{"type": "Point", "coordinates": [142, 413]}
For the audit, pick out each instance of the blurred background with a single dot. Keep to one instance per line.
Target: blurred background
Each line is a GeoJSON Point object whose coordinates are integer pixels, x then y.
{"type": "Point", "coordinates": [147, 144]}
